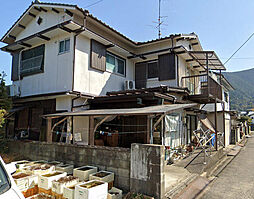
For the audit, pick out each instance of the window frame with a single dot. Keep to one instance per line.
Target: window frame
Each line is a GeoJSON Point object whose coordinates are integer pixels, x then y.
{"type": "Point", "coordinates": [33, 72]}
{"type": "Point", "coordinates": [116, 57]}
{"type": "Point", "coordinates": [65, 51]}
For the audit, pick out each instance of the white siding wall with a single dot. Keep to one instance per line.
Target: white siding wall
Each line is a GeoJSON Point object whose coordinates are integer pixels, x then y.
{"type": "Point", "coordinates": [57, 75]}
{"type": "Point", "coordinates": [49, 19]}
{"type": "Point", "coordinates": [93, 81]}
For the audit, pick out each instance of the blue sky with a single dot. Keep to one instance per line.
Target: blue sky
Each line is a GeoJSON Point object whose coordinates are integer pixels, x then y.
{"type": "Point", "coordinates": [222, 25]}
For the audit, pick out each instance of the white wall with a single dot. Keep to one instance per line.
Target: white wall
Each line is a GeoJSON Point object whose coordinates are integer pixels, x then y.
{"type": "Point", "coordinates": [81, 125]}
{"type": "Point", "coordinates": [57, 75]}
{"type": "Point", "coordinates": [49, 19]}
{"type": "Point", "coordinates": [93, 81]}
{"type": "Point", "coordinates": [63, 103]}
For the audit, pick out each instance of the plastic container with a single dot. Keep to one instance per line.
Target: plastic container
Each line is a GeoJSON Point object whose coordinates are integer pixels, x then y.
{"type": "Point", "coordinates": [83, 172]}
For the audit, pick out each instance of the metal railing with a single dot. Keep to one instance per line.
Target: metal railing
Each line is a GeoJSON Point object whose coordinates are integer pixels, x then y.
{"type": "Point", "coordinates": [202, 85]}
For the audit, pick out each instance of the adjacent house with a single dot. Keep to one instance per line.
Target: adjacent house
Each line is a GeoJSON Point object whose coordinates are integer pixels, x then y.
{"type": "Point", "coordinates": [71, 68]}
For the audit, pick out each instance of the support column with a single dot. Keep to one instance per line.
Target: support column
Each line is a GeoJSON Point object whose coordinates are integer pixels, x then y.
{"type": "Point", "coordinates": [215, 121]}
{"type": "Point", "coordinates": [49, 132]}
{"type": "Point", "coordinates": [147, 139]}
{"type": "Point", "coordinates": [224, 129]}
{"type": "Point", "coordinates": [91, 130]}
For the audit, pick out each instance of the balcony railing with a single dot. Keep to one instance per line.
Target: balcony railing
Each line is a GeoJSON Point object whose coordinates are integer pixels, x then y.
{"type": "Point", "coordinates": [202, 85]}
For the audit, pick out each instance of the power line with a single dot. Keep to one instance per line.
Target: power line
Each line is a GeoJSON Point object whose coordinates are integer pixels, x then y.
{"type": "Point", "coordinates": [239, 48]}
{"type": "Point", "coordinates": [94, 3]}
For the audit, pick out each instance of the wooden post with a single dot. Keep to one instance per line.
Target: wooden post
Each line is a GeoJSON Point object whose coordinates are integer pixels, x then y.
{"type": "Point", "coordinates": [91, 130]}
{"type": "Point", "coordinates": [163, 131]}
{"type": "Point", "coordinates": [224, 120]}
{"type": "Point", "coordinates": [151, 130]}
{"type": "Point", "coordinates": [148, 129]}
{"type": "Point", "coordinates": [49, 132]}
{"type": "Point", "coordinates": [215, 121]}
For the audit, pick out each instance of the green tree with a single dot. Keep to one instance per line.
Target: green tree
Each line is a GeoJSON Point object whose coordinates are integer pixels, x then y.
{"type": "Point", "coordinates": [5, 101]}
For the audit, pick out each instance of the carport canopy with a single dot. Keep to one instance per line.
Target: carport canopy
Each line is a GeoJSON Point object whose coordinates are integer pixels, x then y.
{"type": "Point", "coordinates": [150, 110]}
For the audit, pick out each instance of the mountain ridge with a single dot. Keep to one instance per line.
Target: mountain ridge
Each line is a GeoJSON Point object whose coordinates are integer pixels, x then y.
{"type": "Point", "coordinates": [242, 97]}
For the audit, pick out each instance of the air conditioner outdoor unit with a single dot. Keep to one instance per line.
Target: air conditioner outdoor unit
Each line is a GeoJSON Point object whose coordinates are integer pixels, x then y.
{"type": "Point", "coordinates": [14, 90]}
{"type": "Point", "coordinates": [129, 85]}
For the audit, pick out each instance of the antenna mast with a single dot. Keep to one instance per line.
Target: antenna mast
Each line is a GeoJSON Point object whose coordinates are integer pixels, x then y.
{"type": "Point", "coordinates": [159, 20]}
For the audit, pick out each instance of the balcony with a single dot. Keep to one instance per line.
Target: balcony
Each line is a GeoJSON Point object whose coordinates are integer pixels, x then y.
{"type": "Point", "coordinates": [203, 88]}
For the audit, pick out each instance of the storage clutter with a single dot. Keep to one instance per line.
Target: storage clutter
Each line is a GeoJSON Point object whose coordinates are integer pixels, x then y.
{"type": "Point", "coordinates": [46, 180]}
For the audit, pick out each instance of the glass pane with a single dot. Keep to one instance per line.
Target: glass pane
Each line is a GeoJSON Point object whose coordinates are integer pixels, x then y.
{"type": "Point", "coordinates": [67, 45]}
{"type": "Point", "coordinates": [61, 46]}
{"type": "Point", "coordinates": [120, 66]}
{"type": "Point", "coordinates": [110, 63]}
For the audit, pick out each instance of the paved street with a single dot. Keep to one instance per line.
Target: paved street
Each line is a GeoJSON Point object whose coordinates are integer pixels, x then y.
{"type": "Point", "coordinates": [237, 179]}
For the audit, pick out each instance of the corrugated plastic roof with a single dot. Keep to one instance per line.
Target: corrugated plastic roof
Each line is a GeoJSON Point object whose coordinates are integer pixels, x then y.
{"type": "Point", "coordinates": [161, 109]}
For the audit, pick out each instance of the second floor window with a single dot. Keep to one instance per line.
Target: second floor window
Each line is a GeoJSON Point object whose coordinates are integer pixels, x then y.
{"type": "Point", "coordinates": [64, 46]}
{"type": "Point", "coordinates": [32, 61]}
{"type": "Point", "coordinates": [115, 64]}
{"type": "Point", "coordinates": [153, 71]}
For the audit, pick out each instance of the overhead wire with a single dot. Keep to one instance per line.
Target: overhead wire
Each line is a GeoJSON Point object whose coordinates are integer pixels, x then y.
{"type": "Point", "coordinates": [238, 49]}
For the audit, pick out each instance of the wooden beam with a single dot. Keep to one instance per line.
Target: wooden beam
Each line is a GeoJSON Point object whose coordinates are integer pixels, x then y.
{"type": "Point", "coordinates": [52, 129]}
{"type": "Point", "coordinates": [43, 37]}
{"type": "Point", "coordinates": [100, 122]}
{"type": "Point", "coordinates": [147, 138]}
{"type": "Point", "coordinates": [110, 46]}
{"type": "Point", "coordinates": [55, 10]}
{"type": "Point", "coordinates": [38, 9]}
{"type": "Point", "coordinates": [49, 132]}
{"type": "Point", "coordinates": [91, 130]}
{"type": "Point", "coordinates": [31, 14]}
{"type": "Point", "coordinates": [194, 44]}
{"type": "Point", "coordinates": [68, 12]}
{"type": "Point", "coordinates": [158, 121]}
{"type": "Point", "coordinates": [180, 52]}
{"type": "Point", "coordinates": [43, 9]}
{"type": "Point", "coordinates": [65, 29]}
{"type": "Point", "coordinates": [21, 26]}
{"type": "Point", "coordinates": [25, 44]}
{"type": "Point", "coordinates": [13, 37]}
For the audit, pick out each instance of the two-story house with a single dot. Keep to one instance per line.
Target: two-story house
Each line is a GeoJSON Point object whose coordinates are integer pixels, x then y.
{"type": "Point", "coordinates": [65, 59]}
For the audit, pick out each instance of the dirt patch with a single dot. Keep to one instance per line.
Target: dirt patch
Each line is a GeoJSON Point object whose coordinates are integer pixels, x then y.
{"type": "Point", "coordinates": [101, 174]}
{"type": "Point", "coordinates": [91, 184]}
{"type": "Point", "coordinates": [66, 179]}
{"type": "Point", "coordinates": [20, 175]}
{"type": "Point", "coordinates": [11, 157]}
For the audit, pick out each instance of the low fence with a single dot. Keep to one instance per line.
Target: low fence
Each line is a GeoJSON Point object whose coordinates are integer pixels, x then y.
{"type": "Point", "coordinates": [139, 169]}
{"type": "Point", "coordinates": [116, 160]}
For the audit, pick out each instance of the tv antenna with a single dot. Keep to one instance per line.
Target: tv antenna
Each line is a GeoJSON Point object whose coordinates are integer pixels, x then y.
{"type": "Point", "coordinates": [160, 22]}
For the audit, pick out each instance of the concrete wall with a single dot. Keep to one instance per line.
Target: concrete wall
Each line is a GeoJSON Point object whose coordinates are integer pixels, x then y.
{"type": "Point", "coordinates": [93, 81]}
{"type": "Point", "coordinates": [116, 160]}
{"type": "Point", "coordinates": [147, 170]}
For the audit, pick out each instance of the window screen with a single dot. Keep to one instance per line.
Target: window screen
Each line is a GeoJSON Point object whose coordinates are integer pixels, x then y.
{"type": "Point", "coordinates": [32, 61]}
